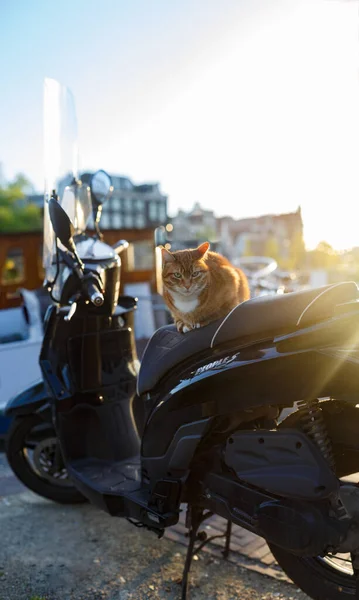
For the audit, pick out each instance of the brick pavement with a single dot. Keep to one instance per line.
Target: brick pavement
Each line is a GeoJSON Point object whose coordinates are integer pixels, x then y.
{"type": "Point", "coordinates": [247, 549]}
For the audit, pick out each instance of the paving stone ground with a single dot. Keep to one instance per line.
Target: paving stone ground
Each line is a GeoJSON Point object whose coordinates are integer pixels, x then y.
{"type": "Point", "coordinates": [247, 549]}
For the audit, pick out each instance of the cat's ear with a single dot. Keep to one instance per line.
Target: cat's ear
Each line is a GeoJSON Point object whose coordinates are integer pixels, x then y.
{"type": "Point", "coordinates": [203, 249]}
{"type": "Point", "coordinates": [166, 256]}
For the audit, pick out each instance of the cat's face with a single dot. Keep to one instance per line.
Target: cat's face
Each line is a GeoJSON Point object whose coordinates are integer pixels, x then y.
{"type": "Point", "coordinates": [185, 272]}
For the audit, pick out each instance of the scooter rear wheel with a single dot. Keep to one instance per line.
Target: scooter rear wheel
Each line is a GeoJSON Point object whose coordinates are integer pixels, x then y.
{"type": "Point", "coordinates": [329, 577]}
{"type": "Point", "coordinates": [36, 461]}
{"type": "Point", "coordinates": [318, 577]}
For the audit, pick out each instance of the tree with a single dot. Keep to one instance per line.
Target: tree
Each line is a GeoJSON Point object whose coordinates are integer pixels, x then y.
{"type": "Point", "coordinates": [323, 257]}
{"type": "Point", "coordinates": [17, 215]}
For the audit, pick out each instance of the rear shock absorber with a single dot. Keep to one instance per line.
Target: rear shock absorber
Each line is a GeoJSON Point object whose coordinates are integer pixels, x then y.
{"type": "Point", "coordinates": [314, 426]}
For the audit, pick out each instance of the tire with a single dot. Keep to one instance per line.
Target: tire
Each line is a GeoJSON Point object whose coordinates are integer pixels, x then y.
{"type": "Point", "coordinates": [322, 578]}
{"type": "Point", "coordinates": [17, 452]}
{"type": "Point", "coordinates": [314, 577]}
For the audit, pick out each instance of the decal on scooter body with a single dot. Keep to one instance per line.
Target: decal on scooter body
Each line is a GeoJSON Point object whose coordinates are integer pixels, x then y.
{"type": "Point", "coordinates": [217, 364]}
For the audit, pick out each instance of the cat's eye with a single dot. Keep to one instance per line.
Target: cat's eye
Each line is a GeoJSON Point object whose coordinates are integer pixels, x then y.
{"type": "Point", "coordinates": [177, 275]}
{"type": "Point", "coordinates": [195, 273]}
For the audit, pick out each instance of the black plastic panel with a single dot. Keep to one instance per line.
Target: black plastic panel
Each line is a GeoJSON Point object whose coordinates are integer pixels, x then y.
{"type": "Point", "coordinates": [101, 359]}
{"type": "Point", "coordinates": [168, 348]}
{"type": "Point", "coordinates": [282, 462]}
{"type": "Point", "coordinates": [177, 458]}
{"type": "Point", "coordinates": [300, 528]}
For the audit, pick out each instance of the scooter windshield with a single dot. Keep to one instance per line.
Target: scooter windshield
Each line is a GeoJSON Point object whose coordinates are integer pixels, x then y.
{"type": "Point", "coordinates": [61, 167]}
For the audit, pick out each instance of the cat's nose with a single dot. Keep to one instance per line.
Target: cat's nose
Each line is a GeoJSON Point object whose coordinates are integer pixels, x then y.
{"type": "Point", "coordinates": [187, 285]}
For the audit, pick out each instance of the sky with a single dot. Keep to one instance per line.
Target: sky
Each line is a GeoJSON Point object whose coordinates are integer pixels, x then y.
{"type": "Point", "coordinates": [246, 106]}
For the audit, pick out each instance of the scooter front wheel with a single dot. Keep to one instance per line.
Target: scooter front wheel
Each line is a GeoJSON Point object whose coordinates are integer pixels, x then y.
{"type": "Point", "coordinates": [34, 455]}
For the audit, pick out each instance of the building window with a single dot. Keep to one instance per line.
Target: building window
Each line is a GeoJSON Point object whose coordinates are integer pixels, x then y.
{"type": "Point", "coordinates": [128, 204]}
{"type": "Point", "coordinates": [140, 221]}
{"type": "Point", "coordinates": [116, 204]}
{"type": "Point", "coordinates": [13, 270]}
{"type": "Point", "coordinates": [128, 221]}
{"type": "Point", "coordinates": [153, 211]}
{"type": "Point", "coordinates": [105, 221]}
{"type": "Point", "coordinates": [139, 205]}
{"type": "Point", "coordinates": [116, 221]}
{"type": "Point", "coordinates": [162, 211]}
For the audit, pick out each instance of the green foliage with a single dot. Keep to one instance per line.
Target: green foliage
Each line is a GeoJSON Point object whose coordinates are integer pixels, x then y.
{"type": "Point", "coordinates": [16, 215]}
{"type": "Point", "coordinates": [323, 257]}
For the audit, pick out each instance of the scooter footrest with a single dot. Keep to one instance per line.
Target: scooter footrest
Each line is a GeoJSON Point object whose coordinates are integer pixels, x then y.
{"type": "Point", "coordinates": [117, 488]}
{"type": "Point", "coordinates": [109, 477]}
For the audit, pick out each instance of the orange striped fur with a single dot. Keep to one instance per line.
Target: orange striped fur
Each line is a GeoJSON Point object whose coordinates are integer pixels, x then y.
{"type": "Point", "coordinates": [200, 286]}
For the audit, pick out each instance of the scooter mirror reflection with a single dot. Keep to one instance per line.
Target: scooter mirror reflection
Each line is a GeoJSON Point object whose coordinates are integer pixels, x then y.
{"type": "Point", "coordinates": [63, 228]}
{"type": "Point", "coordinates": [101, 186]}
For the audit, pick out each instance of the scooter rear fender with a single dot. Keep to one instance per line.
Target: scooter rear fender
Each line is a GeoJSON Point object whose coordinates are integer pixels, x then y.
{"type": "Point", "coordinates": [32, 400]}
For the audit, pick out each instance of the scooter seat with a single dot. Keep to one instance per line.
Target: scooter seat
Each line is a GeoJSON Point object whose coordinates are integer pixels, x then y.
{"type": "Point", "coordinates": [254, 320]}
{"type": "Point", "coordinates": [167, 347]}
{"type": "Point", "coordinates": [264, 316]}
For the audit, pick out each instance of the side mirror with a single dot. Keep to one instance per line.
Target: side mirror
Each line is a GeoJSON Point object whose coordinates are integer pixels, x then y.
{"type": "Point", "coordinates": [63, 228]}
{"type": "Point", "coordinates": [101, 187]}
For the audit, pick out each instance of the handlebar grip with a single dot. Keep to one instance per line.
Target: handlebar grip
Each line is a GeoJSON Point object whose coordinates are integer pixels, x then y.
{"type": "Point", "coordinates": [93, 294]}
{"type": "Point", "coordinates": [120, 246]}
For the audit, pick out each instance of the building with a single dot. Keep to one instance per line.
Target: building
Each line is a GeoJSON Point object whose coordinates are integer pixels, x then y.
{"type": "Point", "coordinates": [277, 236]}
{"type": "Point", "coordinates": [134, 206]}
{"type": "Point", "coordinates": [130, 206]}
{"type": "Point", "coordinates": [197, 224]}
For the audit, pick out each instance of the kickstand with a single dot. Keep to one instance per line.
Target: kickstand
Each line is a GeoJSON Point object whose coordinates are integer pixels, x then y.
{"type": "Point", "coordinates": [195, 517]}
{"type": "Point", "coordinates": [228, 539]}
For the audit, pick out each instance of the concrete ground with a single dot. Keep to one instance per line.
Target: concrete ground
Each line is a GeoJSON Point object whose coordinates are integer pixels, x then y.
{"type": "Point", "coordinates": [54, 552]}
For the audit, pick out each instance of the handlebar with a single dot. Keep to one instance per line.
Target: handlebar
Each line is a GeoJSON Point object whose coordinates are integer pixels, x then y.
{"type": "Point", "coordinates": [93, 293]}
{"type": "Point", "coordinates": [120, 246]}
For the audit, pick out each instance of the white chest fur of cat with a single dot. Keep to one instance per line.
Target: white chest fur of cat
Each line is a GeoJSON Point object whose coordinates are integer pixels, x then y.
{"type": "Point", "coordinates": [183, 304]}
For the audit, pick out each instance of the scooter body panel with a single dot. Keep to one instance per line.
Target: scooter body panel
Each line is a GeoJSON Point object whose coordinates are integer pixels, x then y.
{"type": "Point", "coordinates": [230, 382]}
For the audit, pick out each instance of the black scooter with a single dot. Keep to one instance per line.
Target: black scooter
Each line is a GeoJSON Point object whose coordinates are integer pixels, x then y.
{"type": "Point", "coordinates": [31, 447]}
{"type": "Point", "coordinates": [211, 398]}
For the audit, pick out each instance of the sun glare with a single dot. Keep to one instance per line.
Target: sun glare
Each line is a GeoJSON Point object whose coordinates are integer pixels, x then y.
{"type": "Point", "coordinates": [268, 124]}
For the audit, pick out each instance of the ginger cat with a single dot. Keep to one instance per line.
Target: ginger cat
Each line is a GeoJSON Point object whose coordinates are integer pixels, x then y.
{"type": "Point", "coordinates": [200, 286]}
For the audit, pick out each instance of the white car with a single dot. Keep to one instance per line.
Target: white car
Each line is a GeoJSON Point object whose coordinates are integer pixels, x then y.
{"type": "Point", "coordinates": [21, 334]}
